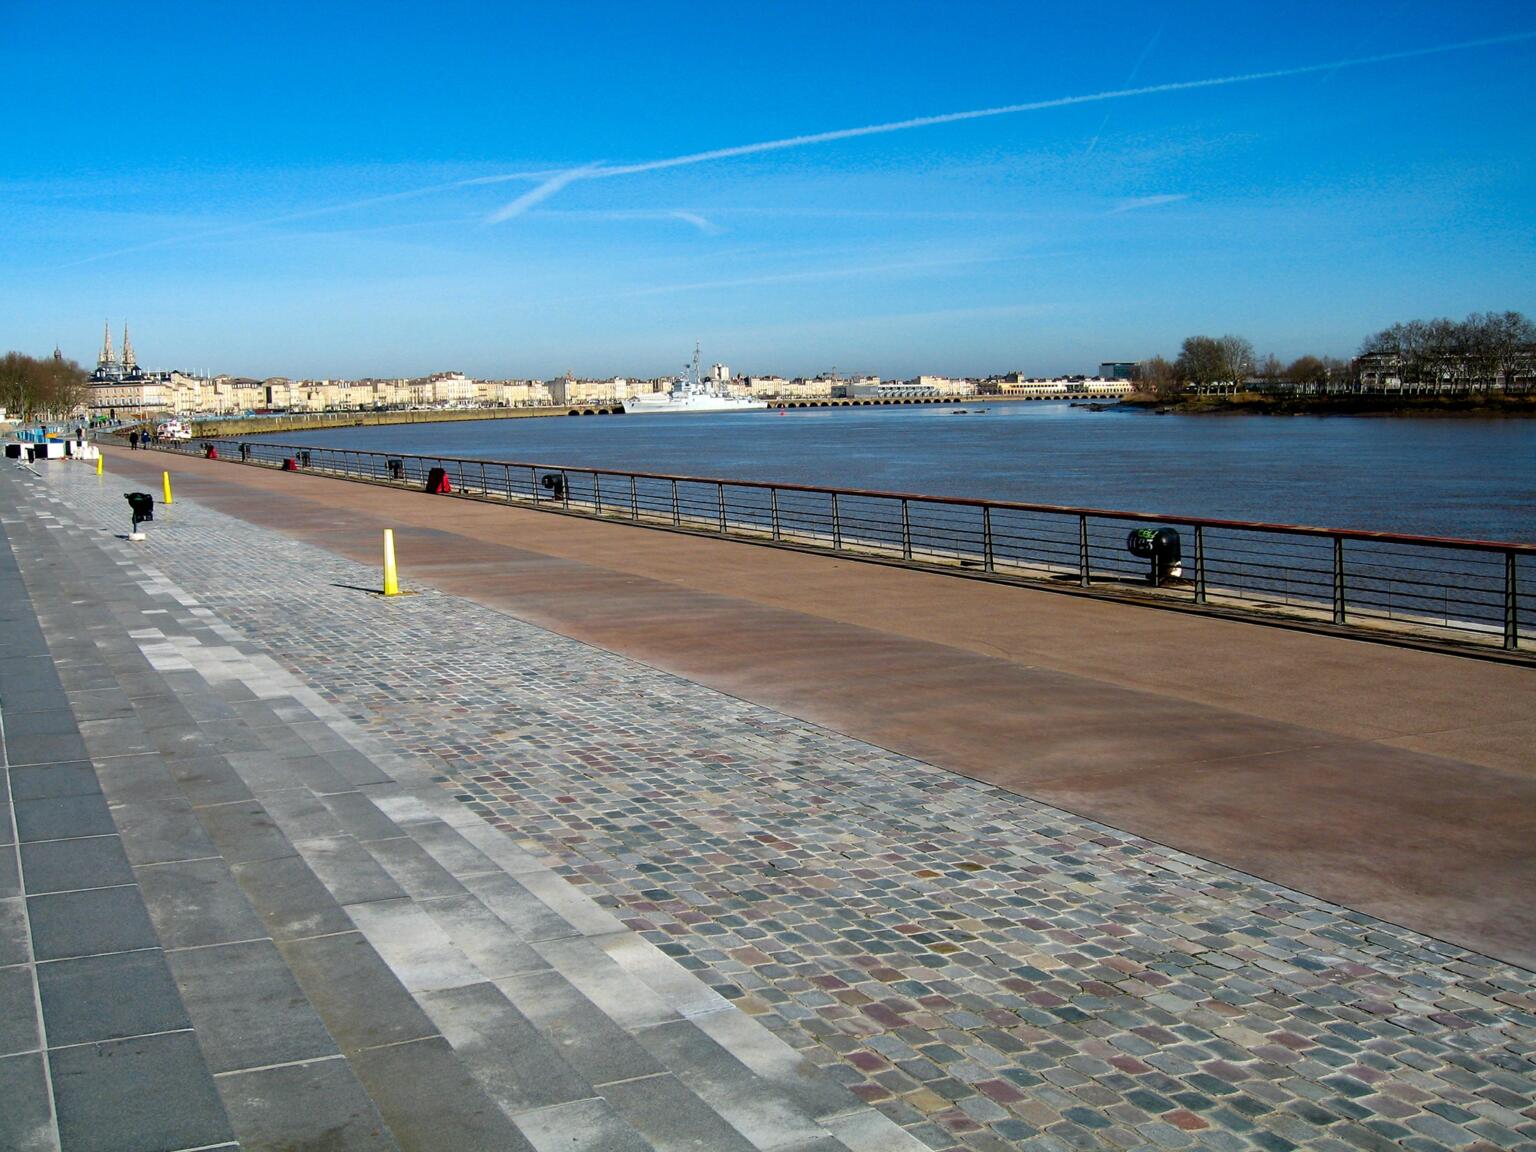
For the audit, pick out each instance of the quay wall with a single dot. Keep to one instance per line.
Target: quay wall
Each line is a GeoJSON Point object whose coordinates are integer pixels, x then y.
{"type": "Point", "coordinates": [310, 421]}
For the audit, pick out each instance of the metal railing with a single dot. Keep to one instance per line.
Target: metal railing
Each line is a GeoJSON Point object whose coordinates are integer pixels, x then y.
{"type": "Point", "coordinates": [1444, 587]}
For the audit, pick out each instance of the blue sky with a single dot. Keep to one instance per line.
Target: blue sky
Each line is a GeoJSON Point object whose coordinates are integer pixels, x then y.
{"type": "Point", "coordinates": [228, 178]}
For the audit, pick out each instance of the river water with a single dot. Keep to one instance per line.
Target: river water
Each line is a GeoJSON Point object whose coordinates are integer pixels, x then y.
{"type": "Point", "coordinates": [1470, 478]}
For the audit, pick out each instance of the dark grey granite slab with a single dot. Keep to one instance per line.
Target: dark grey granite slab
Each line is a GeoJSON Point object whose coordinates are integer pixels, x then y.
{"type": "Point", "coordinates": [109, 997]}
{"type": "Point", "coordinates": [62, 817]}
{"type": "Point", "coordinates": [132, 779]}
{"type": "Point", "coordinates": [45, 749]}
{"type": "Point", "coordinates": [290, 899]}
{"type": "Point", "coordinates": [14, 939]}
{"type": "Point", "coordinates": [590, 1041]}
{"type": "Point", "coordinates": [155, 831]}
{"type": "Point", "coordinates": [147, 1094]}
{"type": "Point", "coordinates": [18, 1012]}
{"type": "Point", "coordinates": [248, 1010]}
{"type": "Point", "coordinates": [48, 780]}
{"type": "Point", "coordinates": [197, 902]}
{"type": "Point", "coordinates": [244, 831]}
{"type": "Point", "coordinates": [70, 865]}
{"type": "Point", "coordinates": [89, 923]}
{"type": "Point", "coordinates": [283, 1109]}
{"type": "Point", "coordinates": [26, 1120]}
{"type": "Point", "coordinates": [430, 1100]}
{"type": "Point", "coordinates": [361, 1001]}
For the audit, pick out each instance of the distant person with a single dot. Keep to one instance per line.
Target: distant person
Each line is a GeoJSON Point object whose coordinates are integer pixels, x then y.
{"type": "Point", "coordinates": [133, 440]}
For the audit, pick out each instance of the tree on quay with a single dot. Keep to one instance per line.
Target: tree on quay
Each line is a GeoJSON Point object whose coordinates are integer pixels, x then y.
{"type": "Point", "coordinates": [33, 388]}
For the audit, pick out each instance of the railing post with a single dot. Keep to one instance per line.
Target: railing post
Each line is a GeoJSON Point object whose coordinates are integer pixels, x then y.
{"type": "Point", "coordinates": [986, 539]}
{"type": "Point", "coordinates": [837, 526]}
{"type": "Point", "coordinates": [597, 493]}
{"type": "Point", "coordinates": [720, 501]}
{"type": "Point", "coordinates": [485, 487]}
{"type": "Point", "coordinates": [906, 531]}
{"type": "Point", "coordinates": [1339, 613]}
{"type": "Point", "coordinates": [677, 516]}
{"type": "Point", "coordinates": [506, 479]}
{"type": "Point", "coordinates": [1199, 564]}
{"type": "Point", "coordinates": [1511, 604]}
{"type": "Point", "coordinates": [634, 499]}
{"type": "Point", "coordinates": [565, 490]}
{"type": "Point", "coordinates": [1082, 550]}
{"type": "Point", "coordinates": [533, 483]}
{"type": "Point", "coordinates": [773, 510]}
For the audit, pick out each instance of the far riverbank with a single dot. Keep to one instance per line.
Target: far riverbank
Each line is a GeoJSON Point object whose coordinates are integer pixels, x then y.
{"type": "Point", "coordinates": [1496, 406]}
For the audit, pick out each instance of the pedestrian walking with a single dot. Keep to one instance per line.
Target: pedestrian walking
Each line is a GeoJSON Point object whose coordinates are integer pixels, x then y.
{"type": "Point", "coordinates": [133, 440]}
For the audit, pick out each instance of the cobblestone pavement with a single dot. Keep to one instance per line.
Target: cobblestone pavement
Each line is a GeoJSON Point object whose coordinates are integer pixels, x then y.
{"type": "Point", "coordinates": [987, 971]}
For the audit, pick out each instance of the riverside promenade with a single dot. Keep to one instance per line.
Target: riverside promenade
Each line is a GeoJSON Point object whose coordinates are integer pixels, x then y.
{"type": "Point", "coordinates": [617, 838]}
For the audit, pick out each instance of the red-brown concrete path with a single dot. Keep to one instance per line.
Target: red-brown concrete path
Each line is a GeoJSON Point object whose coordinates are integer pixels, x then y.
{"type": "Point", "coordinates": [1398, 782]}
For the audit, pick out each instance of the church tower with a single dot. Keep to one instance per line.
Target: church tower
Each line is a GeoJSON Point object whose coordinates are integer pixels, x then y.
{"type": "Point", "coordinates": [106, 357]}
{"type": "Point", "coordinates": [130, 365]}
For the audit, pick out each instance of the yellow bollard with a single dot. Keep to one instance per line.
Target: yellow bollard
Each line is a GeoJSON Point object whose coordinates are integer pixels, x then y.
{"type": "Point", "coordinates": [165, 481]}
{"type": "Point", "coordinates": [391, 577]}
{"type": "Point", "coordinates": [101, 463]}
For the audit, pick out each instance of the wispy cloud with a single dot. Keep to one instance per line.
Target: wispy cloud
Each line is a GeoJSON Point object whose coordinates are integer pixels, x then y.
{"type": "Point", "coordinates": [542, 192]}
{"type": "Point", "coordinates": [1147, 202]}
{"type": "Point", "coordinates": [696, 219]}
{"type": "Point", "coordinates": [591, 172]}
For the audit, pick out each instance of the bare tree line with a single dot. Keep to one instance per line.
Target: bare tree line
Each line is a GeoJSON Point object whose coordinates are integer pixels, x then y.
{"type": "Point", "coordinates": [33, 388]}
{"type": "Point", "coordinates": [1486, 350]}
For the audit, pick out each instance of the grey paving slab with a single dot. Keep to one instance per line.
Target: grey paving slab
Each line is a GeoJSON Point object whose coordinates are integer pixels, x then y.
{"type": "Point", "coordinates": [101, 704]}
{"type": "Point", "coordinates": [318, 776]}
{"type": "Point", "coordinates": [62, 817]}
{"type": "Point", "coordinates": [672, 1118]}
{"type": "Point", "coordinates": [33, 699]}
{"type": "Point", "coordinates": [157, 831]}
{"type": "Point", "coordinates": [7, 828]}
{"type": "Point", "coordinates": [590, 1042]}
{"type": "Point", "coordinates": [361, 1001]}
{"type": "Point", "coordinates": [512, 1060]}
{"type": "Point", "coordinates": [10, 873]}
{"type": "Point", "coordinates": [45, 749]}
{"type": "Point", "coordinates": [243, 831]}
{"type": "Point", "coordinates": [518, 908]}
{"type": "Point", "coordinates": [89, 923]}
{"type": "Point", "coordinates": [413, 868]}
{"type": "Point", "coordinates": [148, 1094]}
{"type": "Point", "coordinates": [18, 1011]}
{"type": "Point", "coordinates": [291, 901]}
{"type": "Point", "coordinates": [50, 780]}
{"type": "Point", "coordinates": [300, 814]}
{"type": "Point", "coordinates": [247, 1007]}
{"type": "Point", "coordinates": [59, 721]}
{"type": "Point", "coordinates": [316, 1106]}
{"type": "Point", "coordinates": [414, 946]}
{"type": "Point", "coordinates": [197, 902]}
{"type": "Point", "coordinates": [429, 1100]}
{"type": "Point", "coordinates": [752, 1106]}
{"type": "Point", "coordinates": [15, 942]}
{"type": "Point", "coordinates": [131, 779]}
{"type": "Point", "coordinates": [119, 736]}
{"type": "Point", "coordinates": [263, 771]}
{"type": "Point", "coordinates": [348, 871]}
{"type": "Point", "coordinates": [358, 817]}
{"type": "Point", "coordinates": [492, 947]}
{"type": "Point", "coordinates": [109, 997]}
{"type": "Point", "coordinates": [207, 780]}
{"type": "Point", "coordinates": [68, 865]}
{"type": "Point", "coordinates": [581, 1126]}
{"type": "Point", "coordinates": [26, 1120]}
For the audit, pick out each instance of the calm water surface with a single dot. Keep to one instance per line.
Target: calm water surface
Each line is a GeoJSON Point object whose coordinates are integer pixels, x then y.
{"type": "Point", "coordinates": [1445, 477]}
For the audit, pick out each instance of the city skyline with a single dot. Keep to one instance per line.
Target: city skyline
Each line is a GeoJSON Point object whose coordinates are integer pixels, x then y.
{"type": "Point", "coordinates": [521, 193]}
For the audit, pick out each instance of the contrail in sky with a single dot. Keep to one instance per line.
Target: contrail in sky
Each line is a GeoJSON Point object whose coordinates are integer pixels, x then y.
{"type": "Point", "coordinates": [590, 173]}
{"type": "Point", "coordinates": [1135, 71]}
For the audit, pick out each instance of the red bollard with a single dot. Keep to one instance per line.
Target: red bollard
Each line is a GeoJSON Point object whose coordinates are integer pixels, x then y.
{"type": "Point", "coordinates": [290, 465]}
{"type": "Point", "coordinates": [212, 453]}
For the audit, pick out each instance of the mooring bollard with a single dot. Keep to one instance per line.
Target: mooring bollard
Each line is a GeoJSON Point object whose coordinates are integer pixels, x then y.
{"type": "Point", "coordinates": [101, 464]}
{"type": "Point", "coordinates": [391, 577]}
{"type": "Point", "coordinates": [165, 483]}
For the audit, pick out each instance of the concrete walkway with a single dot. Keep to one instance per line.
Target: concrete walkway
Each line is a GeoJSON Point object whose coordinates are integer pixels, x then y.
{"type": "Point", "coordinates": [323, 870]}
{"type": "Point", "coordinates": [229, 918]}
{"type": "Point", "coordinates": [1400, 783]}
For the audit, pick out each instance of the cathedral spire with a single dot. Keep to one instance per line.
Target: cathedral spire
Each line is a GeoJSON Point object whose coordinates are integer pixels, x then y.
{"type": "Point", "coordinates": [129, 363]}
{"type": "Point", "coordinates": [106, 356]}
